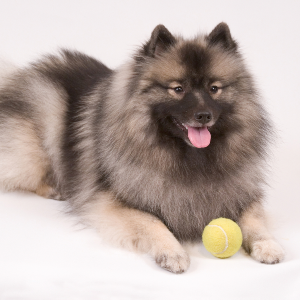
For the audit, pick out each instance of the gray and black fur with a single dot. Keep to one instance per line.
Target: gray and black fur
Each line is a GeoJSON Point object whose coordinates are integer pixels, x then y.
{"type": "Point", "coordinates": [114, 143]}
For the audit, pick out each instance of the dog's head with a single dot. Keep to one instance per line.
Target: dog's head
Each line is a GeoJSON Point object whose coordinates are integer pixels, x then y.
{"type": "Point", "coordinates": [194, 88]}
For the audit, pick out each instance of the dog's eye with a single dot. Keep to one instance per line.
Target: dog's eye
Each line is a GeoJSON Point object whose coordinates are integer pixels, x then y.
{"type": "Point", "coordinates": [178, 89]}
{"type": "Point", "coordinates": [214, 89]}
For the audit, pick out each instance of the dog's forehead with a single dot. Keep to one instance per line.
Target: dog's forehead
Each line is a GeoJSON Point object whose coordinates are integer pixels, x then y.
{"type": "Point", "coordinates": [202, 61]}
{"type": "Point", "coordinates": [194, 61]}
{"type": "Point", "coordinates": [195, 57]}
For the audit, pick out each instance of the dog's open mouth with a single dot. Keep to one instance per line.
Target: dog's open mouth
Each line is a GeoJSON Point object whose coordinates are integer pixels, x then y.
{"type": "Point", "coordinates": [198, 136]}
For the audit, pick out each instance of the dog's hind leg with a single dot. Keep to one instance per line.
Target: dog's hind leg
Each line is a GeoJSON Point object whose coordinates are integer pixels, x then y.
{"type": "Point", "coordinates": [23, 163]}
{"type": "Point", "coordinates": [136, 230]}
{"type": "Point", "coordinates": [47, 191]}
{"type": "Point", "coordinates": [258, 242]}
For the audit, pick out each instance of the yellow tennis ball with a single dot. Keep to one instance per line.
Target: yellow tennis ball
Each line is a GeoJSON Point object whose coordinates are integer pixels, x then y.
{"type": "Point", "coordinates": [222, 237]}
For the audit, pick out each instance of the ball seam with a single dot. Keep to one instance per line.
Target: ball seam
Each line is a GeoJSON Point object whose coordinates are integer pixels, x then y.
{"type": "Point", "coordinates": [226, 240]}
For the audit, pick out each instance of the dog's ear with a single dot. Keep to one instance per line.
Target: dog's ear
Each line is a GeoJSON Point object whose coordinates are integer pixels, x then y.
{"type": "Point", "coordinates": [221, 35]}
{"type": "Point", "coordinates": [161, 39]}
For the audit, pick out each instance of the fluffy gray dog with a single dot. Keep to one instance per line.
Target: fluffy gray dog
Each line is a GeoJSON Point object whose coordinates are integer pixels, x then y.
{"type": "Point", "coordinates": [147, 154]}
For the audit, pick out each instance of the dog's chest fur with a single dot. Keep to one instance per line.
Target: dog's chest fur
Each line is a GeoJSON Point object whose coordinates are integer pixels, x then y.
{"type": "Point", "coordinates": [185, 208]}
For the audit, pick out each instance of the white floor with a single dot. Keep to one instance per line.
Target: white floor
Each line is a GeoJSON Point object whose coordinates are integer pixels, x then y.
{"type": "Point", "coordinates": [45, 254]}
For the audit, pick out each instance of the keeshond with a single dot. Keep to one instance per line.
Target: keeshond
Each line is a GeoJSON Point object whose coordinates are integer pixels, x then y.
{"type": "Point", "coordinates": [147, 154]}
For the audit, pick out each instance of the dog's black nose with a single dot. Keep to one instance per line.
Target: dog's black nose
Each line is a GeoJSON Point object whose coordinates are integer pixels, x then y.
{"type": "Point", "coordinates": [203, 117]}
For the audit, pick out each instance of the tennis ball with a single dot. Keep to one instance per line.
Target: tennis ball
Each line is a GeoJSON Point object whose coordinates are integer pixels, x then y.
{"type": "Point", "coordinates": [222, 237]}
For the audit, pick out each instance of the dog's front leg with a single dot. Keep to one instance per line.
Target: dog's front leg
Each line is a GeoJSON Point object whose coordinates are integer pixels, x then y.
{"type": "Point", "coordinates": [136, 230]}
{"type": "Point", "coordinates": [258, 242]}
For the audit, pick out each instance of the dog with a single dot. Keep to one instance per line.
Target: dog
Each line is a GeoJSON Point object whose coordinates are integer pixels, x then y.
{"type": "Point", "coordinates": [149, 153]}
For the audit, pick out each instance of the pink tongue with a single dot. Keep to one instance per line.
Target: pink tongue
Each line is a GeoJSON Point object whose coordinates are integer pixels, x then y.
{"type": "Point", "coordinates": [199, 137]}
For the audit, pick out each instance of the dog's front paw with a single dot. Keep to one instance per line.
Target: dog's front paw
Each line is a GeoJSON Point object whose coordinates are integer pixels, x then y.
{"type": "Point", "coordinates": [175, 262]}
{"type": "Point", "coordinates": [267, 251]}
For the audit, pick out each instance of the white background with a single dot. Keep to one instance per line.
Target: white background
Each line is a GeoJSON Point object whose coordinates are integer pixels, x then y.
{"type": "Point", "coordinates": [45, 255]}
